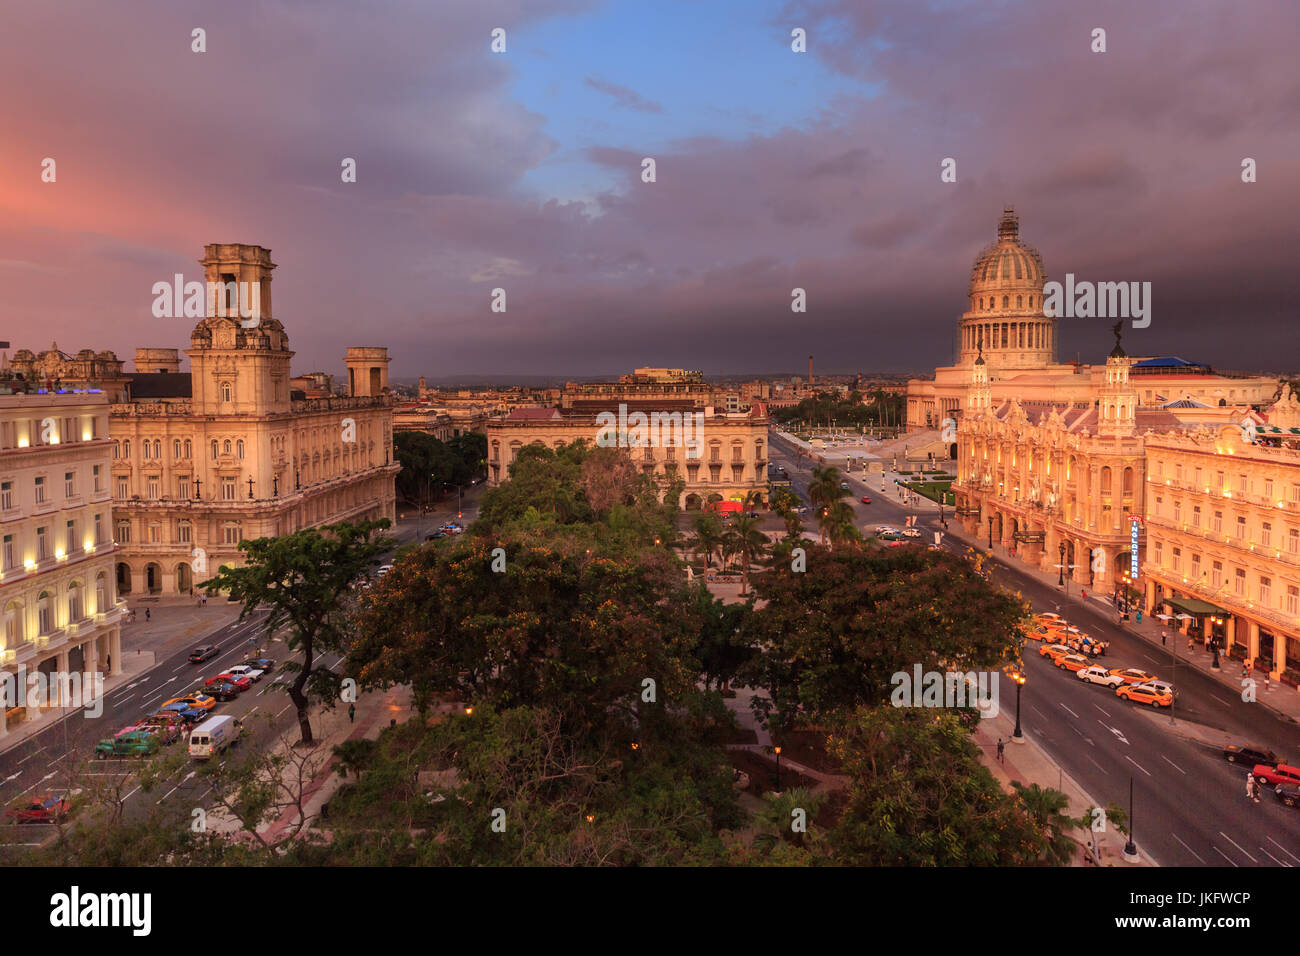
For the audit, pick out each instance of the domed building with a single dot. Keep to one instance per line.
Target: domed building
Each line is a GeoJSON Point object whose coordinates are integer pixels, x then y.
{"type": "Point", "coordinates": [1004, 321]}
{"type": "Point", "coordinates": [1005, 304]}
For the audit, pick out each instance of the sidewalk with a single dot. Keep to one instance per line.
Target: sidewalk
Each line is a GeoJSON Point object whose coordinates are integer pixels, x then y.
{"type": "Point", "coordinates": [330, 728]}
{"type": "Point", "coordinates": [1027, 764]}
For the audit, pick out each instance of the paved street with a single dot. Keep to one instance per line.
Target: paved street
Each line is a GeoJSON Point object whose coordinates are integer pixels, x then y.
{"type": "Point", "coordinates": [1190, 804]}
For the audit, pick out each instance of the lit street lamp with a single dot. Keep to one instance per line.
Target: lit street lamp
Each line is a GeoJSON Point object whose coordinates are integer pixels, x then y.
{"type": "Point", "coordinates": [1060, 578]}
{"type": "Point", "coordinates": [1017, 735]}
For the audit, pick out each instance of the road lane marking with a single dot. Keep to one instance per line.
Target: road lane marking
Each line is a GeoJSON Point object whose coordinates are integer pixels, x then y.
{"type": "Point", "coordinates": [1188, 848]}
{"type": "Point", "coordinates": [1070, 712]}
{"type": "Point", "coordinates": [1225, 856]}
{"type": "Point", "coordinates": [1136, 764]}
{"type": "Point", "coordinates": [1225, 703]}
{"type": "Point", "coordinates": [1151, 659]}
{"type": "Point", "coordinates": [1174, 765]}
{"type": "Point", "coordinates": [1237, 845]}
{"type": "Point", "coordinates": [1097, 765]}
{"type": "Point", "coordinates": [1283, 849]}
{"type": "Point", "coordinates": [131, 794]}
{"type": "Point", "coordinates": [1273, 858]}
{"type": "Point", "coordinates": [1113, 731]}
{"type": "Point", "coordinates": [1038, 712]}
{"type": "Point", "coordinates": [1103, 710]}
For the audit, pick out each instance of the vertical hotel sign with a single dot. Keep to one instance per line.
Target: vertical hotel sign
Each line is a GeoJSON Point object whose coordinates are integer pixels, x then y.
{"type": "Point", "coordinates": [1136, 524]}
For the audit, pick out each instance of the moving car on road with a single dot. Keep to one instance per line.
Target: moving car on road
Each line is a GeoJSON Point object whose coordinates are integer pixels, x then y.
{"type": "Point", "coordinates": [1272, 776]}
{"type": "Point", "coordinates": [201, 654]}
{"type": "Point", "coordinates": [866, 500]}
{"type": "Point", "coordinates": [1249, 755]}
{"type": "Point", "coordinates": [246, 670]}
{"type": "Point", "coordinates": [1145, 694]}
{"type": "Point", "coordinates": [44, 809]}
{"type": "Point", "coordinates": [1099, 675]}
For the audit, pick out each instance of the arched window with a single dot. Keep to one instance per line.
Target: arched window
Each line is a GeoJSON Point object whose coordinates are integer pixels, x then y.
{"type": "Point", "coordinates": [225, 447]}
{"type": "Point", "coordinates": [188, 449]}
{"type": "Point", "coordinates": [1006, 299]}
{"type": "Point", "coordinates": [981, 302]}
{"type": "Point", "coordinates": [239, 448]}
{"type": "Point", "coordinates": [126, 448]}
{"type": "Point", "coordinates": [226, 391]}
{"type": "Point", "coordinates": [214, 449]}
{"type": "Point", "coordinates": [75, 603]}
{"type": "Point", "coordinates": [157, 448]}
{"type": "Point", "coordinates": [117, 450]}
{"type": "Point", "coordinates": [176, 448]}
{"type": "Point", "coordinates": [15, 632]}
{"type": "Point", "coordinates": [1018, 299]}
{"type": "Point", "coordinates": [44, 613]}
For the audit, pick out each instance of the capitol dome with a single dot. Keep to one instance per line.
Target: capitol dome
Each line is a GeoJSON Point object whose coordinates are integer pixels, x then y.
{"type": "Point", "coordinates": [1005, 304]}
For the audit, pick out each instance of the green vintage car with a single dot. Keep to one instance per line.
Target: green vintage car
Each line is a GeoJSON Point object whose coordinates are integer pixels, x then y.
{"type": "Point", "coordinates": [135, 743]}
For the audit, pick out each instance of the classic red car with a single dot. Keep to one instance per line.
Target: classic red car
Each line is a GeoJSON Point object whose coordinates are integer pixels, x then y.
{"type": "Point", "coordinates": [240, 681]}
{"type": "Point", "coordinates": [45, 809]}
{"type": "Point", "coordinates": [1272, 776]}
{"type": "Point", "coordinates": [866, 500]}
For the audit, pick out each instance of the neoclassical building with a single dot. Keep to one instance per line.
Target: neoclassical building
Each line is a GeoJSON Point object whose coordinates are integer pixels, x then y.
{"type": "Point", "coordinates": [229, 450]}
{"type": "Point", "coordinates": [1057, 483]}
{"type": "Point", "coordinates": [1223, 534]}
{"type": "Point", "coordinates": [61, 612]}
{"type": "Point", "coordinates": [1004, 312]}
{"type": "Point", "coordinates": [732, 447]}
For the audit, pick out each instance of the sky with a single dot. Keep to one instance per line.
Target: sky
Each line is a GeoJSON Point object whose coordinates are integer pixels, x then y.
{"type": "Point", "coordinates": [521, 170]}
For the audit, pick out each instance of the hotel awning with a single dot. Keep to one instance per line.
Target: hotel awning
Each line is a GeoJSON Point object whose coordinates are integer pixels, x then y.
{"type": "Point", "coordinates": [1193, 606]}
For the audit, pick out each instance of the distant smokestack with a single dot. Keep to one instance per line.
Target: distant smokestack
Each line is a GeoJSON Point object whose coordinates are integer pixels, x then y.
{"type": "Point", "coordinates": [810, 378]}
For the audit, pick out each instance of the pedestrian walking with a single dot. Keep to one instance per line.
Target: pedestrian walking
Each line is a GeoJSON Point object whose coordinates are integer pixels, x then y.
{"type": "Point", "coordinates": [1252, 787]}
{"type": "Point", "coordinates": [1164, 638]}
{"type": "Point", "coordinates": [1245, 670]}
{"type": "Point", "coordinates": [352, 713]}
{"type": "Point", "coordinates": [1190, 641]}
{"type": "Point", "coordinates": [146, 614]}
{"type": "Point", "coordinates": [1001, 748]}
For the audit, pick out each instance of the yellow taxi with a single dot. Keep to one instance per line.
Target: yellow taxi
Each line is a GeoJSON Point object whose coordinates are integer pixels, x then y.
{"type": "Point", "coordinates": [1145, 694]}
{"type": "Point", "coordinates": [1041, 632]}
{"type": "Point", "coordinates": [1131, 675]}
{"type": "Point", "coordinates": [1071, 662]}
{"type": "Point", "coordinates": [1054, 651]}
{"type": "Point", "coordinates": [194, 700]}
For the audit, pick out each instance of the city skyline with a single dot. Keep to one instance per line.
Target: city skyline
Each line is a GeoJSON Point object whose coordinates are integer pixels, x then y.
{"type": "Point", "coordinates": [521, 170]}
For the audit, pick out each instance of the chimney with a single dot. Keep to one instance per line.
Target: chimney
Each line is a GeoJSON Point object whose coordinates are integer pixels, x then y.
{"type": "Point", "coordinates": [810, 377]}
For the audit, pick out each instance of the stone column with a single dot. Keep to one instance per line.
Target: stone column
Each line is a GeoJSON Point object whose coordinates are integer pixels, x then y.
{"type": "Point", "coordinates": [115, 651]}
{"type": "Point", "coordinates": [60, 676]}
{"type": "Point", "coordinates": [90, 667]}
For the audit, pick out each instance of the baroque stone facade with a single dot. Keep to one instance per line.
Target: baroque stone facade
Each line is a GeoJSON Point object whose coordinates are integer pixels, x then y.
{"type": "Point", "coordinates": [230, 450]}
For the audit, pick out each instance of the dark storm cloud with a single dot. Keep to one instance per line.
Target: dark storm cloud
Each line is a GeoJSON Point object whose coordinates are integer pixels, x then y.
{"type": "Point", "coordinates": [1123, 166]}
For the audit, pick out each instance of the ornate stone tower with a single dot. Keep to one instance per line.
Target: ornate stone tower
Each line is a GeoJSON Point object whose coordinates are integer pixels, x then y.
{"type": "Point", "coordinates": [1005, 304]}
{"type": "Point", "coordinates": [1118, 402]}
{"type": "Point", "coordinates": [367, 371]}
{"type": "Point", "coordinates": [234, 369]}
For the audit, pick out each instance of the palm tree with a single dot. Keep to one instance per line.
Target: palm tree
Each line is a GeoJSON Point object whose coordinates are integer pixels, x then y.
{"type": "Point", "coordinates": [784, 501]}
{"type": "Point", "coordinates": [774, 823]}
{"type": "Point", "coordinates": [823, 490]}
{"type": "Point", "coordinates": [837, 523]}
{"type": "Point", "coordinates": [708, 536]}
{"type": "Point", "coordinates": [746, 542]}
{"type": "Point", "coordinates": [1047, 808]}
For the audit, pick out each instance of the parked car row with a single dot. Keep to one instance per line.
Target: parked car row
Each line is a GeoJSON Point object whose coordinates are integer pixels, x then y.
{"type": "Point", "coordinates": [1284, 778]}
{"type": "Point", "coordinates": [1129, 683]}
{"type": "Point", "coordinates": [177, 718]}
{"type": "Point", "coordinates": [1055, 629]}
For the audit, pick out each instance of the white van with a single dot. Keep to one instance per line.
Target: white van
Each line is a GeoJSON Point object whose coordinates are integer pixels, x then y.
{"type": "Point", "coordinates": [213, 736]}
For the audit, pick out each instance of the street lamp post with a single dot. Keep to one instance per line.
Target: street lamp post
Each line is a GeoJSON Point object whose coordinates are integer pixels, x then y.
{"type": "Point", "coordinates": [1060, 578]}
{"type": "Point", "coordinates": [778, 768]}
{"type": "Point", "coordinates": [1017, 735]}
{"type": "Point", "coordinates": [1130, 848]}
{"type": "Point", "coordinates": [990, 532]}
